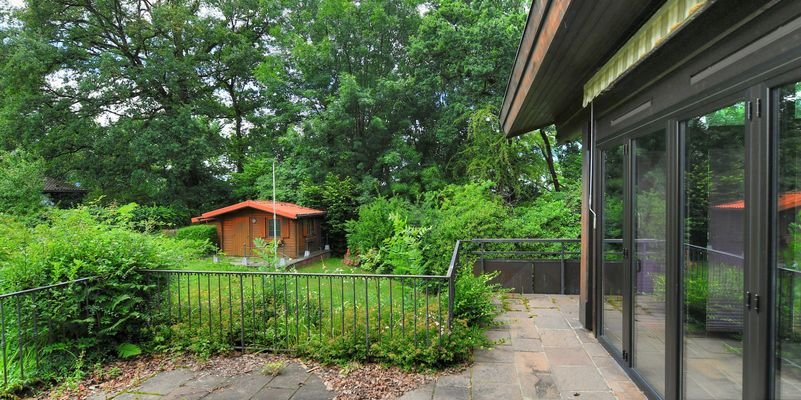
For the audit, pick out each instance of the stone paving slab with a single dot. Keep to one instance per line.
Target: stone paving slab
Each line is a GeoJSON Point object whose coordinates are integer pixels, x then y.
{"type": "Point", "coordinates": [543, 353]}
{"type": "Point", "coordinates": [293, 383]}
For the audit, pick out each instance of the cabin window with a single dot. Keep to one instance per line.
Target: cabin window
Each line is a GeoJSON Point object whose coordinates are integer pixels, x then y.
{"type": "Point", "coordinates": [273, 228]}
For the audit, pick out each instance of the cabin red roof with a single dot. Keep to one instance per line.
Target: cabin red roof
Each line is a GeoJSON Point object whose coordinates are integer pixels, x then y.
{"type": "Point", "coordinates": [283, 209]}
{"type": "Point", "coordinates": [787, 201]}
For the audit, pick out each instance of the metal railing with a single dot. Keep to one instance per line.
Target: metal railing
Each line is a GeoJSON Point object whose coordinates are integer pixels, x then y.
{"type": "Point", "coordinates": [537, 251]}
{"type": "Point", "coordinates": [789, 304]}
{"type": "Point", "coordinates": [279, 311]}
{"type": "Point", "coordinates": [33, 320]}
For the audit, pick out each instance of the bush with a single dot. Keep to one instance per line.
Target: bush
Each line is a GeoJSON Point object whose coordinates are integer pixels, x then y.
{"type": "Point", "coordinates": [474, 295]}
{"type": "Point", "coordinates": [201, 233]}
{"type": "Point", "coordinates": [372, 227]}
{"type": "Point", "coordinates": [405, 352]}
{"type": "Point", "coordinates": [112, 310]}
{"type": "Point", "coordinates": [21, 184]}
{"type": "Point", "coordinates": [154, 218]}
{"type": "Point", "coordinates": [552, 215]}
{"type": "Point", "coordinates": [460, 212]}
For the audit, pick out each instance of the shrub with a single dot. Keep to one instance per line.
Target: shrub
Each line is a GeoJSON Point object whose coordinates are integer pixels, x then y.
{"type": "Point", "coordinates": [371, 229]}
{"type": "Point", "coordinates": [460, 212]}
{"type": "Point", "coordinates": [112, 310]}
{"type": "Point", "coordinates": [405, 352]}
{"type": "Point", "coordinates": [403, 251]}
{"type": "Point", "coordinates": [552, 215]}
{"type": "Point", "coordinates": [21, 184]}
{"type": "Point", "coordinates": [153, 218]}
{"type": "Point", "coordinates": [474, 295]}
{"type": "Point", "coordinates": [201, 233]}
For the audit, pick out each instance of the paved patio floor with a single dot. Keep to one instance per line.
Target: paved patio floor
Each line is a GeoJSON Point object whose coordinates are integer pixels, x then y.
{"type": "Point", "coordinates": [293, 383]}
{"type": "Point", "coordinates": [546, 354]}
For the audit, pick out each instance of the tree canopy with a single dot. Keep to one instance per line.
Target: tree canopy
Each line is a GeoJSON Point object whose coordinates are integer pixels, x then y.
{"type": "Point", "coordinates": [187, 103]}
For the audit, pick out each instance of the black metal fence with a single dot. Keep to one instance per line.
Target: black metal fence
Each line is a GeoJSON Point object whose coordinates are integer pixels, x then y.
{"type": "Point", "coordinates": [32, 323]}
{"type": "Point", "coordinates": [530, 265]}
{"type": "Point", "coordinates": [280, 310]}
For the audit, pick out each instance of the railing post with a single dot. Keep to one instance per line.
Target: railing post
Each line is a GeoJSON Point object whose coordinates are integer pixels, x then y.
{"type": "Point", "coordinates": [562, 267]}
{"type": "Point", "coordinates": [481, 250]}
{"type": "Point", "coordinates": [454, 267]}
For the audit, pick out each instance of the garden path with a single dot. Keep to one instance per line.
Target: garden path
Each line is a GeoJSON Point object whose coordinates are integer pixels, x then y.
{"type": "Point", "coordinates": [293, 383]}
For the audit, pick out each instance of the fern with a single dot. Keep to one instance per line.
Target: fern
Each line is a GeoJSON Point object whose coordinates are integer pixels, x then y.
{"type": "Point", "coordinates": [128, 350]}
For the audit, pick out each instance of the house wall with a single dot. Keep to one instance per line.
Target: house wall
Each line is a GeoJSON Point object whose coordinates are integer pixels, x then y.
{"type": "Point", "coordinates": [733, 54]}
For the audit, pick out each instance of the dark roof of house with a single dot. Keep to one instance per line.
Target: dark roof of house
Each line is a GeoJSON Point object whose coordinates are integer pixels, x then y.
{"type": "Point", "coordinates": [281, 208]}
{"type": "Point", "coordinates": [52, 185]}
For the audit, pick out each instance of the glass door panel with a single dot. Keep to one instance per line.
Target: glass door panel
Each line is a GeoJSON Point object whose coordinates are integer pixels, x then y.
{"type": "Point", "coordinates": [788, 242]}
{"type": "Point", "coordinates": [713, 262]}
{"type": "Point", "coordinates": [650, 217]}
{"type": "Point", "coordinates": [612, 264]}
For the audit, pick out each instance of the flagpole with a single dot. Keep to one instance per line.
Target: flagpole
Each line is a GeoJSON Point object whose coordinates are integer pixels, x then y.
{"type": "Point", "coordinates": [275, 221]}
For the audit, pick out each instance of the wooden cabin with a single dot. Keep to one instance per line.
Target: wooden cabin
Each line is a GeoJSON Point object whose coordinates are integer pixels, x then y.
{"type": "Point", "coordinates": [238, 225]}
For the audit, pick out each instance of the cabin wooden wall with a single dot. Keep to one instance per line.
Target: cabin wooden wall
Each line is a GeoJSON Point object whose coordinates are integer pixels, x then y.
{"type": "Point", "coordinates": [236, 229]}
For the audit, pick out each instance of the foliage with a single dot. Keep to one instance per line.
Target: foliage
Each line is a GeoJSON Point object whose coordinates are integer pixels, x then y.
{"type": "Point", "coordinates": [454, 213]}
{"type": "Point", "coordinates": [201, 233]}
{"type": "Point", "coordinates": [370, 229]}
{"type": "Point", "coordinates": [156, 217]}
{"type": "Point", "coordinates": [112, 310]}
{"type": "Point", "coordinates": [337, 196]}
{"type": "Point", "coordinates": [379, 91]}
{"type": "Point", "coordinates": [552, 215]}
{"type": "Point", "coordinates": [474, 295]}
{"type": "Point", "coordinates": [128, 350]}
{"type": "Point", "coordinates": [511, 163]}
{"type": "Point", "coordinates": [21, 183]}
{"type": "Point", "coordinates": [791, 251]}
{"type": "Point", "coordinates": [401, 253]}
{"type": "Point", "coordinates": [405, 352]}
{"type": "Point", "coordinates": [273, 368]}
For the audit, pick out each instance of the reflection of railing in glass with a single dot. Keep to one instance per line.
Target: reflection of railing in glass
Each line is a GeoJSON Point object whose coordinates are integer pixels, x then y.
{"type": "Point", "coordinates": [712, 282]}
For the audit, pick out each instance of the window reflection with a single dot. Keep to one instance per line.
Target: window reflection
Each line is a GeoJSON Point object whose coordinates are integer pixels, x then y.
{"type": "Point", "coordinates": [612, 265]}
{"type": "Point", "coordinates": [649, 258]}
{"type": "Point", "coordinates": [788, 234]}
{"type": "Point", "coordinates": [714, 223]}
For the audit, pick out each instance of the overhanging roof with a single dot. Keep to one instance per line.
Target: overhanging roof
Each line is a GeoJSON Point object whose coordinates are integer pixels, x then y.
{"type": "Point", "coordinates": [283, 209]}
{"type": "Point", "coordinates": [565, 42]}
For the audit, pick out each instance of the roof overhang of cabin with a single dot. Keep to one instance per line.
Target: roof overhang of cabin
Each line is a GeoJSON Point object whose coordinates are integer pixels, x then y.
{"type": "Point", "coordinates": [286, 210]}
{"type": "Point", "coordinates": [565, 43]}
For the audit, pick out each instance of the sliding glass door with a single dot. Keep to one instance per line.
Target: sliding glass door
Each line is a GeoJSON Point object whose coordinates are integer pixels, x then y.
{"type": "Point", "coordinates": [786, 123]}
{"type": "Point", "coordinates": [649, 171]}
{"type": "Point", "coordinates": [613, 268]}
{"type": "Point", "coordinates": [713, 267]}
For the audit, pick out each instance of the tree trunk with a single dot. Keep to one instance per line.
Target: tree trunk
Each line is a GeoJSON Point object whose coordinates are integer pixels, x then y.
{"type": "Point", "coordinates": [547, 151]}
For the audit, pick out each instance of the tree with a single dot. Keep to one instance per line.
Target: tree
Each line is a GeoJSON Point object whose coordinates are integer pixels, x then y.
{"type": "Point", "coordinates": [21, 183]}
{"type": "Point", "coordinates": [510, 165]}
{"type": "Point", "coordinates": [460, 60]}
{"type": "Point", "coordinates": [111, 79]}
